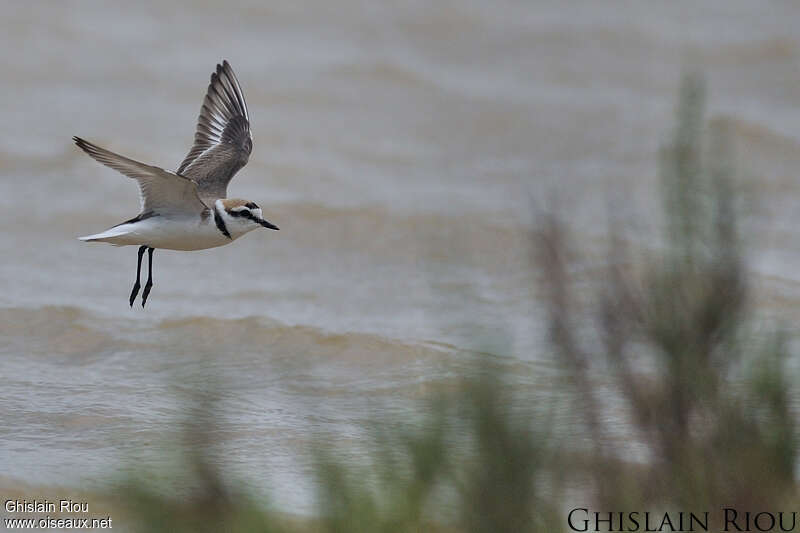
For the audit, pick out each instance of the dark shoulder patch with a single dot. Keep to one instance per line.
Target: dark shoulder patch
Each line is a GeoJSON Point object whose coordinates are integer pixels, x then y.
{"type": "Point", "coordinates": [138, 218]}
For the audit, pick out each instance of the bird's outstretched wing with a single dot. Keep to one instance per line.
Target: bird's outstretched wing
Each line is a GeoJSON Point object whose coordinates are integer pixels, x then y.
{"type": "Point", "coordinates": [161, 191]}
{"type": "Point", "coordinates": [222, 141]}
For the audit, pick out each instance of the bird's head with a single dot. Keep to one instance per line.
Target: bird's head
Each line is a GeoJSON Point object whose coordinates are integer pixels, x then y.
{"type": "Point", "coordinates": [241, 216]}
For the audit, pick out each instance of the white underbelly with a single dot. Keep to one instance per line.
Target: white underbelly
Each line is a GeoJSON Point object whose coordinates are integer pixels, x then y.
{"type": "Point", "coordinates": [165, 233]}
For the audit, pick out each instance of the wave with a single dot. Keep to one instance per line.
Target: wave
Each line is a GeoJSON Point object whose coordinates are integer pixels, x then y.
{"type": "Point", "coordinates": [757, 135]}
{"type": "Point", "coordinates": [258, 335]}
{"type": "Point", "coordinates": [57, 330]}
{"type": "Point", "coordinates": [754, 52]}
{"type": "Point", "coordinates": [69, 330]}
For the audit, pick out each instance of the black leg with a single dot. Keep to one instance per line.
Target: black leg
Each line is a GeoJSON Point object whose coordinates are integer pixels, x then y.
{"type": "Point", "coordinates": [136, 285]}
{"type": "Point", "coordinates": [149, 284]}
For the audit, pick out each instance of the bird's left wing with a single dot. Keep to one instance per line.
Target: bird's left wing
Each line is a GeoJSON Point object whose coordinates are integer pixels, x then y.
{"type": "Point", "coordinates": [222, 141]}
{"type": "Point", "coordinates": [161, 192]}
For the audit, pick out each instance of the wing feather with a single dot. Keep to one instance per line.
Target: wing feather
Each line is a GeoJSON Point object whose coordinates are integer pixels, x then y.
{"type": "Point", "coordinates": [161, 191]}
{"type": "Point", "coordinates": [222, 140]}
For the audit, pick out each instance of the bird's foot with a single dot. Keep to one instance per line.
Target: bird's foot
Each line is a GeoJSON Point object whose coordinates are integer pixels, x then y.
{"type": "Point", "coordinates": [134, 292]}
{"type": "Point", "coordinates": [146, 292]}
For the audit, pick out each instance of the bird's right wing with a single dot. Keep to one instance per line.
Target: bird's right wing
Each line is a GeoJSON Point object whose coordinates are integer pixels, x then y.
{"type": "Point", "coordinates": [161, 191]}
{"type": "Point", "coordinates": [222, 141]}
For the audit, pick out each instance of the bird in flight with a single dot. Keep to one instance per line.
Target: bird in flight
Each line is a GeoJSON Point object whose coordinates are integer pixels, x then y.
{"type": "Point", "coordinates": [189, 209]}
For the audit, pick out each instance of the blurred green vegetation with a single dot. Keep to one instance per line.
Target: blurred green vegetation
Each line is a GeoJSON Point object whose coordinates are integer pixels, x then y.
{"type": "Point", "coordinates": [704, 393]}
{"type": "Point", "coordinates": [704, 386]}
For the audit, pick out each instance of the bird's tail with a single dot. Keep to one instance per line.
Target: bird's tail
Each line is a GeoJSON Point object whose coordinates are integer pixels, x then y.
{"type": "Point", "coordinates": [113, 235]}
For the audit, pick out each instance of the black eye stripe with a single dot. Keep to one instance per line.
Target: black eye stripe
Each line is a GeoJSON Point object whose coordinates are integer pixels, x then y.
{"type": "Point", "coordinates": [251, 205]}
{"type": "Point", "coordinates": [242, 213]}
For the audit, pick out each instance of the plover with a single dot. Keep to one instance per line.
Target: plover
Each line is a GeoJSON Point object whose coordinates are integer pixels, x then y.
{"type": "Point", "coordinates": [188, 209]}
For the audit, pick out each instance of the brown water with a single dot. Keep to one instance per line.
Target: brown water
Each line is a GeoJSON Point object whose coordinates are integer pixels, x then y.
{"type": "Point", "coordinates": [400, 149]}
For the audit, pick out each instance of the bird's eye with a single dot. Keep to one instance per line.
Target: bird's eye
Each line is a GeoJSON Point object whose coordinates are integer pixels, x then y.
{"type": "Point", "coordinates": [251, 205]}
